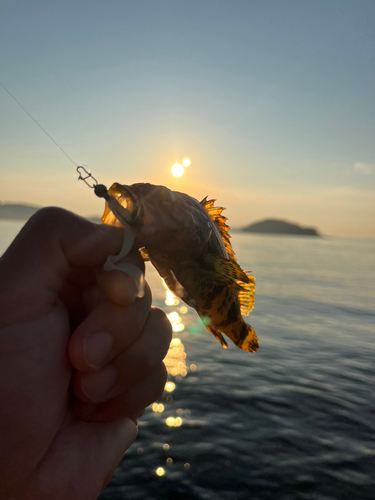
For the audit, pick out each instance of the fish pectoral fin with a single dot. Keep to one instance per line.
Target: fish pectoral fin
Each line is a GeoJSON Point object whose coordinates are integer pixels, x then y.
{"type": "Point", "coordinates": [229, 272]}
{"type": "Point", "coordinates": [218, 335]}
{"type": "Point", "coordinates": [246, 296]}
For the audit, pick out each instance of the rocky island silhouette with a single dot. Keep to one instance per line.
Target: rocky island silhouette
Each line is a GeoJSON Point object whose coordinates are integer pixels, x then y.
{"type": "Point", "coordinates": [277, 226]}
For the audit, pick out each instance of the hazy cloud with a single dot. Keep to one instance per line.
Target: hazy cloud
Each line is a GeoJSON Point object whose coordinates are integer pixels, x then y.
{"type": "Point", "coordinates": [364, 168]}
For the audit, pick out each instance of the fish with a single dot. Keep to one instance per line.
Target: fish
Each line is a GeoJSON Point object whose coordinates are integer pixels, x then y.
{"type": "Point", "coordinates": [188, 243]}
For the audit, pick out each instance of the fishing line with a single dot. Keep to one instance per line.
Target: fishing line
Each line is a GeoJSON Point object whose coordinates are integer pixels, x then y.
{"type": "Point", "coordinates": [84, 175]}
{"type": "Point", "coordinates": [39, 125]}
{"type": "Point", "coordinates": [112, 262]}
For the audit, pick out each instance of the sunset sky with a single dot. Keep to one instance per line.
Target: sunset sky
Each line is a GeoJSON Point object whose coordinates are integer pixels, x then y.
{"type": "Point", "coordinates": [272, 100]}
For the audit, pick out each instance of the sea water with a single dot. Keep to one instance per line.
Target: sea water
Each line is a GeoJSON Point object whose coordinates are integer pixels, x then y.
{"type": "Point", "coordinates": [296, 420]}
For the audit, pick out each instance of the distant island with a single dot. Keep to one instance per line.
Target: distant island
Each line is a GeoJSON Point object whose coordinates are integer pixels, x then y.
{"type": "Point", "coordinates": [20, 211]}
{"type": "Point", "coordinates": [17, 211]}
{"type": "Point", "coordinates": [274, 226]}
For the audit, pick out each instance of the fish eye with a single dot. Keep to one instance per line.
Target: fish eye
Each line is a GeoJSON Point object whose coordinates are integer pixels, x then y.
{"type": "Point", "coordinates": [161, 194]}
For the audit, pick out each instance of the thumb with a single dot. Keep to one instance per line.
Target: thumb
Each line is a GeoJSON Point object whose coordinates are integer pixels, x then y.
{"type": "Point", "coordinates": [35, 266]}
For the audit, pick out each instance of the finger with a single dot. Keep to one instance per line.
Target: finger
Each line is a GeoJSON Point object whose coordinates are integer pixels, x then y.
{"type": "Point", "coordinates": [106, 332]}
{"type": "Point", "coordinates": [122, 287]}
{"type": "Point", "coordinates": [85, 289]}
{"type": "Point", "coordinates": [40, 258]}
{"type": "Point", "coordinates": [74, 291]}
{"type": "Point", "coordinates": [82, 459]}
{"type": "Point", "coordinates": [60, 240]}
{"type": "Point", "coordinates": [131, 403]}
{"type": "Point", "coordinates": [131, 366]}
{"type": "Point", "coordinates": [92, 297]}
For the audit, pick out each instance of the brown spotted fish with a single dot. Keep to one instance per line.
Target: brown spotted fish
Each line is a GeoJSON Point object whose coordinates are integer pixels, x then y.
{"type": "Point", "coordinates": [188, 244]}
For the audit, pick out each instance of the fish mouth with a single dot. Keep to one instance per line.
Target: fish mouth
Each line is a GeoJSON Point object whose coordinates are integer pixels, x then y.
{"type": "Point", "coordinates": [130, 210]}
{"type": "Point", "coordinates": [129, 202]}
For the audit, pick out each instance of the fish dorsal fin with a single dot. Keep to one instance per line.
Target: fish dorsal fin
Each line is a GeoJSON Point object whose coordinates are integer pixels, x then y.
{"type": "Point", "coordinates": [246, 296]}
{"type": "Point", "coordinates": [207, 203]}
{"type": "Point", "coordinates": [220, 222]}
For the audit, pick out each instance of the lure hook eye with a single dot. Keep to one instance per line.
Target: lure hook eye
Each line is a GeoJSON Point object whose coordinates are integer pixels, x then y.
{"type": "Point", "coordinates": [86, 175]}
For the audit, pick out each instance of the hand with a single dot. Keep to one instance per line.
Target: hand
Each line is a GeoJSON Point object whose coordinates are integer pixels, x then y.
{"type": "Point", "coordinates": [80, 358]}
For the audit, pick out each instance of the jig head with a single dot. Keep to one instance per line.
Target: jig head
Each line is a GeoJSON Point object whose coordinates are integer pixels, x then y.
{"type": "Point", "coordinates": [101, 191]}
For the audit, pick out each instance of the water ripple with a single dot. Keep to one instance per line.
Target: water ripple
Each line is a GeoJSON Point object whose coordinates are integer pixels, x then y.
{"type": "Point", "coordinates": [296, 420]}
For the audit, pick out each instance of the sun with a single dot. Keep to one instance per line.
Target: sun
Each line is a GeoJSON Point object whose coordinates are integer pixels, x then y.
{"type": "Point", "coordinates": [177, 170]}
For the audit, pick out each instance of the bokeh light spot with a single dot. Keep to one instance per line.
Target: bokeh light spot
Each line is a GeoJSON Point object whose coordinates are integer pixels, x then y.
{"type": "Point", "coordinates": [170, 386]}
{"type": "Point", "coordinates": [160, 471]}
{"type": "Point", "coordinates": [157, 408]}
{"type": "Point", "coordinates": [186, 162]}
{"type": "Point", "coordinates": [170, 299]}
{"type": "Point", "coordinates": [174, 422]}
{"type": "Point", "coordinates": [206, 320]}
{"type": "Point", "coordinates": [175, 319]}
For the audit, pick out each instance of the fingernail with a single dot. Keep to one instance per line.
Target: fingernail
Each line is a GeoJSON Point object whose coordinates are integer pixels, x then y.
{"type": "Point", "coordinates": [97, 348]}
{"type": "Point", "coordinates": [96, 385]}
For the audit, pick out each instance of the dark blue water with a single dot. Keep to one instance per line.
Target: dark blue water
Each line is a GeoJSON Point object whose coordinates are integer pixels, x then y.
{"type": "Point", "coordinates": [296, 420]}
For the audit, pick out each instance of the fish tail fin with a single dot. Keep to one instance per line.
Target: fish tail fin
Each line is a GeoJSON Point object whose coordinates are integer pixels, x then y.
{"type": "Point", "coordinates": [248, 340]}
